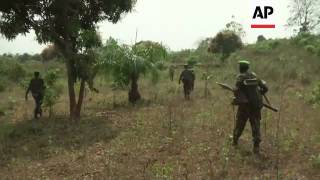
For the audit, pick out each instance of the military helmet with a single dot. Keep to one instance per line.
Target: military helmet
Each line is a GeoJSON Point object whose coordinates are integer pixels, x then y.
{"type": "Point", "coordinates": [244, 62]}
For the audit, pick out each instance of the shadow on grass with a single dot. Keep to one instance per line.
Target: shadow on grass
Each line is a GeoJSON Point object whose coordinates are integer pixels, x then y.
{"type": "Point", "coordinates": [42, 139]}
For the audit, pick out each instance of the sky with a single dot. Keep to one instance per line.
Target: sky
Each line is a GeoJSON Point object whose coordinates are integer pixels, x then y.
{"type": "Point", "coordinates": [178, 24]}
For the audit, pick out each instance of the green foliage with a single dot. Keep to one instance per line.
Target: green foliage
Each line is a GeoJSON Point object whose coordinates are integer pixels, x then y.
{"type": "Point", "coordinates": [310, 42]}
{"type": "Point", "coordinates": [53, 89]}
{"type": "Point", "coordinates": [89, 39]}
{"type": "Point", "coordinates": [192, 61]}
{"type": "Point", "coordinates": [3, 84]}
{"type": "Point", "coordinates": [315, 95]}
{"type": "Point", "coordinates": [181, 56]}
{"type": "Point", "coordinates": [12, 70]}
{"type": "Point", "coordinates": [315, 160]}
{"type": "Point", "coordinates": [310, 48]}
{"type": "Point", "coordinates": [67, 18]}
{"type": "Point", "coordinates": [162, 171]}
{"type": "Point", "coordinates": [69, 24]}
{"type": "Point", "coordinates": [236, 27]}
{"type": "Point", "coordinates": [266, 46]}
{"type": "Point", "coordinates": [150, 51]}
{"type": "Point", "coordinates": [225, 42]}
{"type": "Point", "coordinates": [261, 38]}
{"type": "Point", "coordinates": [122, 62]}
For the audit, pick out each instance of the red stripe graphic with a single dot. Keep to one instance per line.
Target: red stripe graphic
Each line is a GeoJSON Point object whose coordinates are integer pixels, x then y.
{"type": "Point", "coordinates": [263, 26]}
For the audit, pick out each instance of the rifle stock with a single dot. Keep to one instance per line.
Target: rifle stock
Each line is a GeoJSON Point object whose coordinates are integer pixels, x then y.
{"type": "Point", "coordinates": [229, 88]}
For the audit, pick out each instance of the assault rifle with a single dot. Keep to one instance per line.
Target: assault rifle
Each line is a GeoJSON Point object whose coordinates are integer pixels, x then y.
{"type": "Point", "coordinates": [268, 106]}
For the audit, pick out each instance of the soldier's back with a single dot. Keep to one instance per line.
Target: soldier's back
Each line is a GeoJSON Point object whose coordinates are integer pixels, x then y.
{"type": "Point", "coordinates": [37, 85]}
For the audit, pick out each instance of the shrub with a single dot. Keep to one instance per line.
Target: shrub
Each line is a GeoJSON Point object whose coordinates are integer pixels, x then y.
{"type": "Point", "coordinates": [311, 49]}
{"type": "Point", "coordinates": [315, 160]}
{"type": "Point", "coordinates": [225, 42]}
{"type": "Point", "coordinates": [261, 38]}
{"type": "Point", "coordinates": [3, 85]}
{"type": "Point", "coordinates": [266, 46]}
{"type": "Point", "coordinates": [53, 90]}
{"type": "Point", "coordinates": [315, 95]}
{"type": "Point", "coordinates": [12, 71]}
{"type": "Point", "coordinates": [16, 72]}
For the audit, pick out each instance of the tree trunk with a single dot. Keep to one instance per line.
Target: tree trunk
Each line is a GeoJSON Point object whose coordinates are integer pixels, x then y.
{"type": "Point", "coordinates": [69, 54]}
{"type": "Point", "coordinates": [134, 94]}
{"type": "Point", "coordinates": [72, 94]}
{"type": "Point", "coordinates": [80, 101]}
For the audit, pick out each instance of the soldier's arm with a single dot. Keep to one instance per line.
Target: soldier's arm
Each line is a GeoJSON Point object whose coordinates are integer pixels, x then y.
{"type": "Point", "coordinates": [193, 76]}
{"type": "Point", "coordinates": [263, 87]}
{"type": "Point", "coordinates": [28, 90]}
{"type": "Point", "coordinates": [239, 82]}
{"type": "Point", "coordinates": [180, 78]}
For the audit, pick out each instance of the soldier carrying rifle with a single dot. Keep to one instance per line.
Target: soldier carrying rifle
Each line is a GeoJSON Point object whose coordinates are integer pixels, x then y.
{"type": "Point", "coordinates": [249, 92]}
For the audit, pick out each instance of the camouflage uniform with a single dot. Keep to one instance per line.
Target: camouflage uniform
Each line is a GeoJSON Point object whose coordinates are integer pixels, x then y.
{"type": "Point", "coordinates": [248, 93]}
{"type": "Point", "coordinates": [187, 77]}
{"type": "Point", "coordinates": [37, 87]}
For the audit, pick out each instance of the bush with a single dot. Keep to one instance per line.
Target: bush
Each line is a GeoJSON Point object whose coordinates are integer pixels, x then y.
{"type": "Point", "coordinates": [225, 43]}
{"type": "Point", "coordinates": [266, 46]}
{"type": "Point", "coordinates": [192, 62]}
{"type": "Point", "coordinates": [315, 95]}
{"type": "Point", "coordinates": [311, 49]}
{"type": "Point", "coordinates": [3, 85]}
{"type": "Point", "coordinates": [53, 90]}
{"type": "Point", "coordinates": [16, 72]}
{"type": "Point", "coordinates": [12, 71]}
{"type": "Point", "coordinates": [261, 38]}
{"type": "Point", "coordinates": [315, 160]}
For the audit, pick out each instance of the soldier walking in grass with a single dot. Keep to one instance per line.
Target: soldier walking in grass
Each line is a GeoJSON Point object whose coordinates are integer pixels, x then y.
{"type": "Point", "coordinates": [248, 96]}
{"type": "Point", "coordinates": [187, 77]}
{"type": "Point", "coordinates": [37, 87]}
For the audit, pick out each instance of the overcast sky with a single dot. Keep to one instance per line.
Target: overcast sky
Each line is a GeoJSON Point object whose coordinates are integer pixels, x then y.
{"type": "Point", "coordinates": [179, 24]}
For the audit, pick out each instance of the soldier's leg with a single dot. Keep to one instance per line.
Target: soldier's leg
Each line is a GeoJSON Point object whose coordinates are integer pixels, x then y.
{"type": "Point", "coordinates": [188, 89]}
{"type": "Point", "coordinates": [242, 117]}
{"type": "Point", "coordinates": [35, 111]}
{"type": "Point", "coordinates": [185, 90]}
{"type": "Point", "coordinates": [40, 105]}
{"type": "Point", "coordinates": [255, 118]}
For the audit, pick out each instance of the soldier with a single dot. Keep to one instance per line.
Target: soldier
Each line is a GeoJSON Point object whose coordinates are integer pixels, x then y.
{"type": "Point", "coordinates": [248, 96]}
{"type": "Point", "coordinates": [37, 88]}
{"type": "Point", "coordinates": [187, 77]}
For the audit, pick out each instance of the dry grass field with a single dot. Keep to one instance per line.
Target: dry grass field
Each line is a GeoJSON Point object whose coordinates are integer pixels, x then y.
{"type": "Point", "coordinates": [166, 137]}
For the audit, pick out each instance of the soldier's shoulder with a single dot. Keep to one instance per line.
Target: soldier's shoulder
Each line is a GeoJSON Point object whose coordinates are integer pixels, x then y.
{"type": "Point", "coordinates": [241, 76]}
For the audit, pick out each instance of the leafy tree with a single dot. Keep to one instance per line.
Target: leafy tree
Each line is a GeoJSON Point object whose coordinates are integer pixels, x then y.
{"type": "Point", "coordinates": [127, 64]}
{"type": "Point", "coordinates": [304, 15]}
{"type": "Point", "coordinates": [49, 53]}
{"type": "Point", "coordinates": [53, 89]}
{"type": "Point", "coordinates": [261, 38]}
{"type": "Point", "coordinates": [225, 42]}
{"type": "Point", "coordinates": [235, 27]}
{"type": "Point", "coordinates": [203, 45]}
{"type": "Point", "coordinates": [150, 51]}
{"type": "Point", "coordinates": [63, 23]}
{"type": "Point", "coordinates": [24, 57]}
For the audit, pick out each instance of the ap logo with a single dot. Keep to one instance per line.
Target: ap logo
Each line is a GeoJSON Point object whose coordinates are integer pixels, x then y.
{"type": "Point", "coordinates": [263, 14]}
